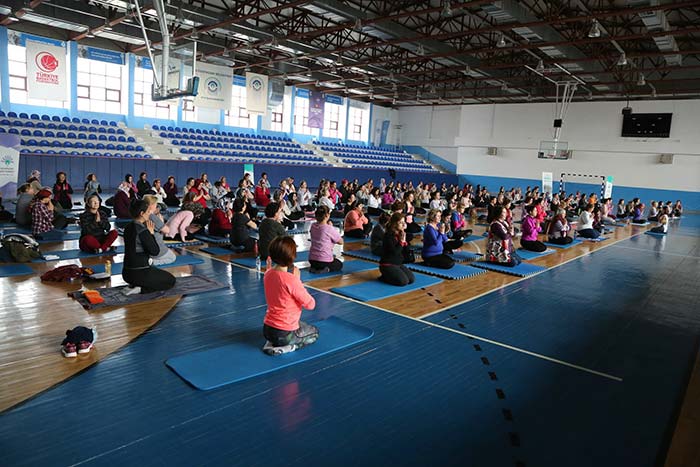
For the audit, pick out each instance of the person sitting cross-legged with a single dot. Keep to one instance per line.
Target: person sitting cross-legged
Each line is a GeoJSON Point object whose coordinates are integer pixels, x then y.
{"type": "Point", "coordinates": [323, 236]}
{"type": "Point", "coordinates": [285, 296]}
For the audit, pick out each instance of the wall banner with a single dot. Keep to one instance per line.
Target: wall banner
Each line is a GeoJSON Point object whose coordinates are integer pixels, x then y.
{"type": "Point", "coordinates": [547, 182]}
{"type": "Point", "coordinates": [9, 165]}
{"type": "Point", "coordinates": [256, 93]}
{"type": "Point", "coordinates": [101, 55]}
{"type": "Point", "coordinates": [215, 86]}
{"type": "Point", "coordinates": [331, 99]}
{"type": "Point", "coordinates": [316, 104]}
{"type": "Point", "coordinates": [608, 186]}
{"type": "Point", "coordinates": [47, 71]}
{"type": "Point", "coordinates": [385, 132]}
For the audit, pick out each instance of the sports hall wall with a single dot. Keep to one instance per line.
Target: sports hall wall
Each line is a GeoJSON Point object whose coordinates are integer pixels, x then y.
{"type": "Point", "coordinates": [460, 135]}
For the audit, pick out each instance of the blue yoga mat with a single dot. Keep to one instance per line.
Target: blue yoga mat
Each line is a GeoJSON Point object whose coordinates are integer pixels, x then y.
{"type": "Point", "coordinates": [564, 247]}
{"type": "Point", "coordinates": [296, 231]}
{"type": "Point", "coordinates": [655, 234]}
{"type": "Point", "coordinates": [362, 254]}
{"type": "Point", "coordinates": [472, 238]}
{"type": "Point", "coordinates": [64, 237]}
{"type": "Point", "coordinates": [353, 240]}
{"type": "Point", "coordinates": [463, 256]}
{"type": "Point", "coordinates": [180, 260]}
{"type": "Point", "coordinates": [376, 290]}
{"type": "Point", "coordinates": [640, 225]}
{"type": "Point", "coordinates": [250, 262]}
{"type": "Point", "coordinates": [213, 240]}
{"type": "Point", "coordinates": [76, 254]}
{"type": "Point", "coordinates": [217, 251]}
{"type": "Point", "coordinates": [527, 254]}
{"type": "Point", "coordinates": [521, 270]}
{"type": "Point", "coordinates": [11, 270]}
{"type": "Point", "coordinates": [244, 359]}
{"type": "Point", "coordinates": [348, 268]}
{"type": "Point", "coordinates": [173, 244]}
{"type": "Point", "coordinates": [594, 240]}
{"type": "Point", "coordinates": [458, 271]}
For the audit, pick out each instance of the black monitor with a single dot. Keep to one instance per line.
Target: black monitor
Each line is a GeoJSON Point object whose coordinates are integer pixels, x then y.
{"type": "Point", "coordinates": [646, 125]}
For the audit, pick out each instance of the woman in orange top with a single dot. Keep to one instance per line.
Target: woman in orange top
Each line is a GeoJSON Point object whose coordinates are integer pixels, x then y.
{"type": "Point", "coordinates": [356, 224]}
{"type": "Point", "coordinates": [285, 296]}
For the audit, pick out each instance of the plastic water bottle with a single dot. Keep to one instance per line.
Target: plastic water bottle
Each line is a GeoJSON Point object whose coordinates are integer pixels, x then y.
{"type": "Point", "coordinates": [2, 233]}
{"type": "Point", "coordinates": [258, 264]}
{"type": "Point", "coordinates": [108, 267]}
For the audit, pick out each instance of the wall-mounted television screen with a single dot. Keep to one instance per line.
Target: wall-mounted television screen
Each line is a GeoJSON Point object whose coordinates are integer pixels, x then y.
{"type": "Point", "coordinates": [646, 125]}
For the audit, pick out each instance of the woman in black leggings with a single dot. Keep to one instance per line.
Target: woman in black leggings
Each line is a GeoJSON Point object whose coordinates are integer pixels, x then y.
{"type": "Point", "coordinates": [139, 246]}
{"type": "Point", "coordinates": [393, 249]}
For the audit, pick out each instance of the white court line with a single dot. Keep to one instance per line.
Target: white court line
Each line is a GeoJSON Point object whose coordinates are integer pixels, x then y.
{"type": "Point", "coordinates": [605, 245]}
{"type": "Point", "coordinates": [658, 252]}
{"type": "Point", "coordinates": [444, 328]}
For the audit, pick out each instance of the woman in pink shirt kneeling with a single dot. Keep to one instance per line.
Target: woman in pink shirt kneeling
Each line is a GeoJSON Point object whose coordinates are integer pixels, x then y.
{"type": "Point", "coordinates": [323, 236]}
{"type": "Point", "coordinates": [285, 296]}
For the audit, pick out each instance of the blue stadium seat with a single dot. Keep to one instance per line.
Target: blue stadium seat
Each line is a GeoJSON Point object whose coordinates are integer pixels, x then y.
{"type": "Point", "coordinates": [101, 130]}
{"type": "Point", "coordinates": [78, 144]}
{"type": "Point", "coordinates": [112, 138]}
{"type": "Point", "coordinates": [23, 116]}
{"type": "Point", "coordinates": [121, 139]}
{"type": "Point", "coordinates": [89, 145]}
{"type": "Point", "coordinates": [26, 132]}
{"type": "Point", "coordinates": [82, 136]}
{"type": "Point", "coordinates": [112, 123]}
{"type": "Point", "coordinates": [131, 139]}
{"type": "Point", "coordinates": [100, 146]}
{"type": "Point", "coordinates": [60, 134]}
{"type": "Point", "coordinates": [75, 120]}
{"type": "Point", "coordinates": [11, 114]}
{"type": "Point", "coordinates": [111, 131]}
{"type": "Point", "coordinates": [102, 137]}
{"type": "Point", "coordinates": [71, 135]}
{"type": "Point", "coordinates": [103, 123]}
{"type": "Point", "coordinates": [95, 121]}
{"type": "Point", "coordinates": [111, 146]}
{"type": "Point", "coordinates": [66, 119]}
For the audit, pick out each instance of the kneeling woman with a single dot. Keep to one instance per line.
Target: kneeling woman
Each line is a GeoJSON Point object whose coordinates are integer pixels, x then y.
{"type": "Point", "coordinates": [394, 249]}
{"type": "Point", "coordinates": [435, 241]}
{"type": "Point", "coordinates": [323, 237]}
{"type": "Point", "coordinates": [559, 229]}
{"type": "Point", "coordinates": [285, 296]}
{"type": "Point", "coordinates": [140, 245]}
{"type": "Point", "coordinates": [531, 228]}
{"type": "Point", "coordinates": [96, 234]}
{"type": "Point", "coordinates": [499, 248]}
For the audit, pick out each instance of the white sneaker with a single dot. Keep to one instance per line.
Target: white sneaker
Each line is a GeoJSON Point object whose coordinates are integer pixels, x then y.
{"type": "Point", "coordinates": [132, 290]}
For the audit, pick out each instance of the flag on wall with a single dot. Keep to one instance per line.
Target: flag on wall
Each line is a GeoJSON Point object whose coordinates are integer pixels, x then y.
{"type": "Point", "coordinates": [9, 165]}
{"type": "Point", "coordinates": [256, 93]}
{"type": "Point", "coordinates": [316, 103]}
{"type": "Point", "coordinates": [215, 86]}
{"type": "Point", "coordinates": [47, 71]}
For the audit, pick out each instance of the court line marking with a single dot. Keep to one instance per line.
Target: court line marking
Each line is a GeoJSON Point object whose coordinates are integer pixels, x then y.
{"type": "Point", "coordinates": [658, 252]}
{"type": "Point", "coordinates": [604, 245]}
{"type": "Point", "coordinates": [455, 331]}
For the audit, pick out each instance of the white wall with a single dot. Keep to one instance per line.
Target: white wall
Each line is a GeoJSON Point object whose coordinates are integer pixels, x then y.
{"type": "Point", "coordinates": [591, 128]}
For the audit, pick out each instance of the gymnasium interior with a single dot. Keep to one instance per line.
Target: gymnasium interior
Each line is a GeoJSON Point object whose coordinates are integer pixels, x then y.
{"type": "Point", "coordinates": [586, 354]}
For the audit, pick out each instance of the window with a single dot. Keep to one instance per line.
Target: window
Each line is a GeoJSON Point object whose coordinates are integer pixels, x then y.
{"type": "Point", "coordinates": [17, 63]}
{"type": "Point", "coordinates": [358, 124]}
{"type": "Point", "coordinates": [238, 115]}
{"type": "Point", "coordinates": [277, 119]}
{"type": "Point", "coordinates": [100, 87]}
{"type": "Point", "coordinates": [301, 117]}
{"type": "Point", "coordinates": [143, 105]}
{"type": "Point", "coordinates": [331, 120]}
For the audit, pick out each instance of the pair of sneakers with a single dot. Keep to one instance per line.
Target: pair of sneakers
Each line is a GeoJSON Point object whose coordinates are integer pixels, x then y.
{"type": "Point", "coordinates": [71, 350]}
{"type": "Point", "coordinates": [79, 340]}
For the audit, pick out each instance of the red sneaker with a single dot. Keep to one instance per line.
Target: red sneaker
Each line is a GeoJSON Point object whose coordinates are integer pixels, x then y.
{"type": "Point", "coordinates": [84, 347]}
{"type": "Point", "coordinates": [69, 350]}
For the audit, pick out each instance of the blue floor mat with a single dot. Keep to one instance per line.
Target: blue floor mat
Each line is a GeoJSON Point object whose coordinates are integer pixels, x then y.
{"type": "Point", "coordinates": [640, 225]}
{"type": "Point", "coordinates": [376, 290]}
{"type": "Point", "coordinates": [458, 271]}
{"type": "Point", "coordinates": [11, 270]}
{"type": "Point", "coordinates": [472, 238]}
{"type": "Point", "coordinates": [463, 256]}
{"type": "Point", "coordinates": [250, 261]}
{"type": "Point", "coordinates": [63, 237]}
{"type": "Point", "coordinates": [348, 268]}
{"type": "Point", "coordinates": [655, 234]}
{"type": "Point", "coordinates": [180, 260]}
{"type": "Point", "coordinates": [353, 240]}
{"type": "Point", "coordinates": [527, 254]}
{"type": "Point", "coordinates": [218, 251]}
{"type": "Point", "coordinates": [564, 247]}
{"type": "Point", "coordinates": [521, 270]}
{"type": "Point", "coordinates": [213, 240]}
{"type": "Point", "coordinates": [594, 240]}
{"type": "Point", "coordinates": [76, 254]}
{"type": "Point", "coordinates": [362, 254]}
{"type": "Point", "coordinates": [173, 244]}
{"type": "Point", "coordinates": [244, 359]}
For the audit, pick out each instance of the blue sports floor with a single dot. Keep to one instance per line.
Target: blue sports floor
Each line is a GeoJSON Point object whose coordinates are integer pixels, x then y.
{"type": "Point", "coordinates": [583, 365]}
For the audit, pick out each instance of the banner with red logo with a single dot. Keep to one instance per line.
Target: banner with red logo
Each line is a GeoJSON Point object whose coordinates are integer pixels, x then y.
{"type": "Point", "coordinates": [47, 71]}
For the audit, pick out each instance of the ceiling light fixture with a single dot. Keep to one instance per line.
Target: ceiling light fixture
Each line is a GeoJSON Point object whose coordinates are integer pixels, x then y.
{"type": "Point", "coordinates": [622, 61]}
{"type": "Point", "coordinates": [358, 25]}
{"type": "Point", "coordinates": [318, 83]}
{"type": "Point", "coordinates": [653, 93]}
{"type": "Point", "coordinates": [447, 10]}
{"type": "Point", "coordinates": [595, 30]}
{"type": "Point", "coordinates": [393, 101]}
{"type": "Point", "coordinates": [107, 26]}
{"type": "Point", "coordinates": [467, 70]}
{"type": "Point", "coordinates": [195, 35]}
{"type": "Point", "coordinates": [420, 50]}
{"type": "Point", "coordinates": [501, 41]}
{"type": "Point", "coordinates": [247, 68]}
{"type": "Point", "coordinates": [226, 53]}
{"type": "Point", "coordinates": [308, 74]}
{"type": "Point", "coordinates": [589, 97]}
{"type": "Point", "coordinates": [504, 87]}
{"type": "Point", "coordinates": [540, 66]}
{"type": "Point", "coordinates": [641, 81]}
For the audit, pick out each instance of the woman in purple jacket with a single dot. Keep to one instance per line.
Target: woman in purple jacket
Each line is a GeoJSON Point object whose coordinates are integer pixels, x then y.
{"type": "Point", "coordinates": [531, 227]}
{"type": "Point", "coordinates": [435, 242]}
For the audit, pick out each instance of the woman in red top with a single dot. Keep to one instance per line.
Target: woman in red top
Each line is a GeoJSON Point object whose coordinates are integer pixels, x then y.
{"type": "Point", "coordinates": [201, 194]}
{"type": "Point", "coordinates": [285, 296]}
{"type": "Point", "coordinates": [220, 224]}
{"type": "Point", "coordinates": [62, 191]}
{"type": "Point", "coordinates": [262, 194]}
{"type": "Point", "coordinates": [356, 224]}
